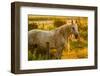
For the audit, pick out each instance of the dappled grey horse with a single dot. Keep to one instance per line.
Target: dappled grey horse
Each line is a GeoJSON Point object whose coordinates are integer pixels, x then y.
{"type": "Point", "coordinates": [54, 39]}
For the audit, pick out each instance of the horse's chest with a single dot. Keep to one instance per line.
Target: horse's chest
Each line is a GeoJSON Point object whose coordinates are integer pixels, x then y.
{"type": "Point", "coordinates": [60, 41]}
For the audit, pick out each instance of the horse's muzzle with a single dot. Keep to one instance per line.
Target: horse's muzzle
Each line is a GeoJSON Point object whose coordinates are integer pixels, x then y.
{"type": "Point", "coordinates": [76, 36]}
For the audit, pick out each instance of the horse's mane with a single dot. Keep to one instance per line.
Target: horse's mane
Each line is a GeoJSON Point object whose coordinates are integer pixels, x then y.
{"type": "Point", "coordinates": [63, 30]}
{"type": "Point", "coordinates": [63, 27]}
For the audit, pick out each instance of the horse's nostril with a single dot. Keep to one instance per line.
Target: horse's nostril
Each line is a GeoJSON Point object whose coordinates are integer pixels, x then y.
{"type": "Point", "coordinates": [76, 36]}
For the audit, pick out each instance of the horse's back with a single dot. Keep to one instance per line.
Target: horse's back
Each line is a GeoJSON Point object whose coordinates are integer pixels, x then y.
{"type": "Point", "coordinates": [40, 37]}
{"type": "Point", "coordinates": [32, 36]}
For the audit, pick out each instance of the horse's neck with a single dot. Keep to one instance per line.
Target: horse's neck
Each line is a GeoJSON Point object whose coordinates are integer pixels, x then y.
{"type": "Point", "coordinates": [68, 31]}
{"type": "Point", "coordinates": [65, 31]}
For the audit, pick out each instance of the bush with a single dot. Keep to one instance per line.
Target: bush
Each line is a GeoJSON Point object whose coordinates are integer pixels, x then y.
{"type": "Point", "coordinates": [58, 23]}
{"type": "Point", "coordinates": [32, 26]}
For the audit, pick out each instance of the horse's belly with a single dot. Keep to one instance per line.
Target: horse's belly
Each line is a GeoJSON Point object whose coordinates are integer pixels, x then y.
{"type": "Point", "coordinates": [45, 38]}
{"type": "Point", "coordinates": [47, 43]}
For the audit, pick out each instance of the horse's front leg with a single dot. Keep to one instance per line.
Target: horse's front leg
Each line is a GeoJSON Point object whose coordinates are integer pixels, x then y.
{"type": "Point", "coordinates": [67, 46]}
{"type": "Point", "coordinates": [59, 53]}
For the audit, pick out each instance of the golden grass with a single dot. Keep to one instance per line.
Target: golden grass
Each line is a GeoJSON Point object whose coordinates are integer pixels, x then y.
{"type": "Point", "coordinates": [72, 54]}
{"type": "Point", "coordinates": [75, 54]}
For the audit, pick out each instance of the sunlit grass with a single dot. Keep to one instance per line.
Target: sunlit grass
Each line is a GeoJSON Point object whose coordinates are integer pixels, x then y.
{"type": "Point", "coordinates": [75, 54]}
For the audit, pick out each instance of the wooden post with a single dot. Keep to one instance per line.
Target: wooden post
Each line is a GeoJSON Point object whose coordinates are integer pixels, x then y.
{"type": "Point", "coordinates": [48, 50]}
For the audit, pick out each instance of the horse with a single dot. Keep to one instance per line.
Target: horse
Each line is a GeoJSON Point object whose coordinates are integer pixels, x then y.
{"type": "Point", "coordinates": [54, 39]}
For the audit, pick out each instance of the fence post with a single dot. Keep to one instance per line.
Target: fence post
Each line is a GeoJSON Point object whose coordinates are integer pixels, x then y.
{"type": "Point", "coordinates": [48, 50]}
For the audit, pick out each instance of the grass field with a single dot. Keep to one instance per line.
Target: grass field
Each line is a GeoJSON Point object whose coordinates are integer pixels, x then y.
{"type": "Point", "coordinates": [78, 48]}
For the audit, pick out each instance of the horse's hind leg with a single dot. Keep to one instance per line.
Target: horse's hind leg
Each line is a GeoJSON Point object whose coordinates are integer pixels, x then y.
{"type": "Point", "coordinates": [35, 52]}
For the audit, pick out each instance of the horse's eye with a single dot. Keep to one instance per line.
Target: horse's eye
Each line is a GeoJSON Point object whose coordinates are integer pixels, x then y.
{"type": "Point", "coordinates": [73, 28]}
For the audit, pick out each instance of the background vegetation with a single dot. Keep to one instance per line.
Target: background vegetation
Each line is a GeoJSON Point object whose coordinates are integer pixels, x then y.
{"type": "Point", "coordinates": [78, 48]}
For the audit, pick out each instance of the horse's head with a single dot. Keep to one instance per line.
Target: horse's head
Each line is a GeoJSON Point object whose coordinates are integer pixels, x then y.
{"type": "Point", "coordinates": [74, 29]}
{"type": "Point", "coordinates": [70, 28]}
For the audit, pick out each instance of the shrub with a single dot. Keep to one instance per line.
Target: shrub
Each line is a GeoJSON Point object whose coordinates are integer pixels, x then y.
{"type": "Point", "coordinates": [58, 23]}
{"type": "Point", "coordinates": [32, 26]}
